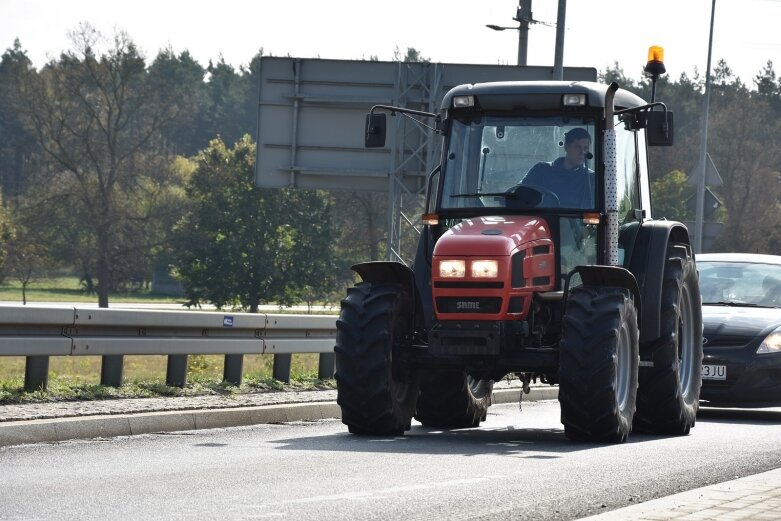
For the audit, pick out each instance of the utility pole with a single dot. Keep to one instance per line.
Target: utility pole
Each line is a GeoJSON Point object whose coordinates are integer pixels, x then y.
{"type": "Point", "coordinates": [558, 61]}
{"type": "Point", "coordinates": [523, 16]}
{"type": "Point", "coordinates": [698, 218]}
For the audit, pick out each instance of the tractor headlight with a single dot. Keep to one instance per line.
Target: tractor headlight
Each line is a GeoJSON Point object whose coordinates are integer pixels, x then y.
{"type": "Point", "coordinates": [452, 268]}
{"type": "Point", "coordinates": [485, 269]}
{"type": "Point", "coordinates": [771, 343]}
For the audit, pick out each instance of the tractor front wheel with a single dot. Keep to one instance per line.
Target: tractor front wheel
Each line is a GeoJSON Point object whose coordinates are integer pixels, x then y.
{"type": "Point", "coordinates": [598, 365]}
{"type": "Point", "coordinates": [373, 318]}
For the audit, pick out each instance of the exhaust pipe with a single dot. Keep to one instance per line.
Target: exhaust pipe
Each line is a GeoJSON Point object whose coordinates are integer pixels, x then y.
{"type": "Point", "coordinates": [610, 159]}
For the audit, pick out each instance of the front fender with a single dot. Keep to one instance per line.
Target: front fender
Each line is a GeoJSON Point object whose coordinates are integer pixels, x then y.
{"type": "Point", "coordinates": [385, 271]}
{"type": "Point", "coordinates": [390, 272]}
{"type": "Point", "coordinates": [615, 276]}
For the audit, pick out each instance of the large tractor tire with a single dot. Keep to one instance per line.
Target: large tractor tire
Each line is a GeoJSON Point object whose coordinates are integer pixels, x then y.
{"type": "Point", "coordinates": [372, 319]}
{"type": "Point", "coordinates": [669, 394]}
{"type": "Point", "coordinates": [598, 365]}
{"type": "Point", "coordinates": [453, 399]}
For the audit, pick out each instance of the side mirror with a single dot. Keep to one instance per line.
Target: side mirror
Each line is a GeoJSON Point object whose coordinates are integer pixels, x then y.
{"type": "Point", "coordinates": [659, 128]}
{"type": "Point", "coordinates": [375, 130]}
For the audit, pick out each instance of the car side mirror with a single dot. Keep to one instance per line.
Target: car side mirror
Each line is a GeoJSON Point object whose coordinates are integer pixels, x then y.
{"type": "Point", "coordinates": [659, 128]}
{"type": "Point", "coordinates": [375, 130]}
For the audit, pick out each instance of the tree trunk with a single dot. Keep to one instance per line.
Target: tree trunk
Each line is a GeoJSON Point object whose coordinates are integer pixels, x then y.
{"type": "Point", "coordinates": [104, 281]}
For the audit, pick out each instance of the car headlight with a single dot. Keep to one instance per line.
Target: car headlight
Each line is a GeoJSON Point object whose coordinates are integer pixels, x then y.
{"type": "Point", "coordinates": [485, 269]}
{"type": "Point", "coordinates": [452, 268]}
{"type": "Point", "coordinates": [771, 343]}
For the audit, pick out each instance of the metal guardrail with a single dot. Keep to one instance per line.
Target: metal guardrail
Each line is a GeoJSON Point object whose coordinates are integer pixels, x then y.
{"type": "Point", "coordinates": [40, 332]}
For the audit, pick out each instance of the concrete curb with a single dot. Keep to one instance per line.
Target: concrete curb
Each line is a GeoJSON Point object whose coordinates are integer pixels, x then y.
{"type": "Point", "coordinates": [106, 426]}
{"type": "Point", "coordinates": [536, 394]}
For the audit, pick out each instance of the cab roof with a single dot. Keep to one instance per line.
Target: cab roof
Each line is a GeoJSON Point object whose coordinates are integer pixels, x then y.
{"type": "Point", "coordinates": [537, 95]}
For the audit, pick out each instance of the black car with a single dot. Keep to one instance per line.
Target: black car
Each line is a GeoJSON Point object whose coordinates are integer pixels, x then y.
{"type": "Point", "coordinates": [741, 314]}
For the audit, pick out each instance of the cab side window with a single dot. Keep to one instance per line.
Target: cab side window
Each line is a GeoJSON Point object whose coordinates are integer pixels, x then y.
{"type": "Point", "coordinates": [628, 193]}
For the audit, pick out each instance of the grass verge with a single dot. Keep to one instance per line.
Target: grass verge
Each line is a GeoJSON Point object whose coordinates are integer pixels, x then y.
{"type": "Point", "coordinates": [77, 378]}
{"type": "Point", "coordinates": [68, 289]}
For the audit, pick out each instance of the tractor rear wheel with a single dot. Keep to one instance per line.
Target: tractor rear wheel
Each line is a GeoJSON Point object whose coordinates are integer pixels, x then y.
{"type": "Point", "coordinates": [669, 394]}
{"type": "Point", "coordinates": [598, 366]}
{"type": "Point", "coordinates": [373, 318]}
{"type": "Point", "coordinates": [453, 399]}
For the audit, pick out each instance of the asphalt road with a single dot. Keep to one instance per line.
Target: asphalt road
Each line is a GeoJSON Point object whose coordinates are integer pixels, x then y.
{"type": "Point", "coordinates": [515, 466]}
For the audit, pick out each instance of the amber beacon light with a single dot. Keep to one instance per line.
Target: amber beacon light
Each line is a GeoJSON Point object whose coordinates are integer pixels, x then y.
{"type": "Point", "coordinates": [655, 65]}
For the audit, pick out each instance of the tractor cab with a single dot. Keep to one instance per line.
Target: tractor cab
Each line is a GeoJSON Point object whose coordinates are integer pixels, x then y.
{"type": "Point", "coordinates": [533, 149]}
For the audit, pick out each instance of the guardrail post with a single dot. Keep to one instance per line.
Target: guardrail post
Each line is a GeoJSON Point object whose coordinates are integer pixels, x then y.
{"type": "Point", "coordinates": [176, 371]}
{"type": "Point", "coordinates": [234, 365]}
{"type": "Point", "coordinates": [111, 369]}
{"type": "Point", "coordinates": [282, 367]}
{"type": "Point", "coordinates": [325, 367]}
{"type": "Point", "coordinates": [36, 373]}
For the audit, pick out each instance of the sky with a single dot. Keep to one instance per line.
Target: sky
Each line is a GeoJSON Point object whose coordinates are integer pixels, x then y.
{"type": "Point", "coordinates": [598, 32]}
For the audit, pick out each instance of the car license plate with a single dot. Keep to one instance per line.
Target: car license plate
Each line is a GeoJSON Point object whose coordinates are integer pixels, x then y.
{"type": "Point", "coordinates": [714, 372]}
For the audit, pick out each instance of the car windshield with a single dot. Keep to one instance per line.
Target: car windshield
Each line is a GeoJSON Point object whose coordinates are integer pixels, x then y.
{"type": "Point", "coordinates": [740, 283]}
{"type": "Point", "coordinates": [512, 162]}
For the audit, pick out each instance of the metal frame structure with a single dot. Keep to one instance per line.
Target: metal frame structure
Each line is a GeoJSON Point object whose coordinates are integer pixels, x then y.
{"type": "Point", "coordinates": [419, 88]}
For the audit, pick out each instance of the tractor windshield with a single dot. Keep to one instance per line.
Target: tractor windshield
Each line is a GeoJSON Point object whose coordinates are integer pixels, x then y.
{"type": "Point", "coordinates": [520, 162]}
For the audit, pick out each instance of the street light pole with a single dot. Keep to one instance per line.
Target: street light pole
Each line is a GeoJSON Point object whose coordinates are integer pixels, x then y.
{"type": "Point", "coordinates": [523, 15]}
{"type": "Point", "coordinates": [698, 218]}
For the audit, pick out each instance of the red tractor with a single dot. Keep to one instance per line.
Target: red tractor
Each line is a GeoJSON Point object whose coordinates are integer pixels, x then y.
{"type": "Point", "coordinates": [539, 258]}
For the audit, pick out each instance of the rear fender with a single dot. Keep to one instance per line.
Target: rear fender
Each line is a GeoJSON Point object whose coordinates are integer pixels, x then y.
{"type": "Point", "coordinates": [649, 254]}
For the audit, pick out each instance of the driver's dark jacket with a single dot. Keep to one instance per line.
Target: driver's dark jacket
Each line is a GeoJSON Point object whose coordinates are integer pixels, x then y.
{"type": "Point", "coordinates": [575, 187]}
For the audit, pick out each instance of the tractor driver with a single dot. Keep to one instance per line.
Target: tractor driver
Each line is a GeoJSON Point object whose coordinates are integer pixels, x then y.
{"type": "Point", "coordinates": [568, 177]}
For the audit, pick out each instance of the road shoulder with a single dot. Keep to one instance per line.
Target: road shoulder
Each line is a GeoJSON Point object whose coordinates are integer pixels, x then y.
{"type": "Point", "coordinates": [56, 422]}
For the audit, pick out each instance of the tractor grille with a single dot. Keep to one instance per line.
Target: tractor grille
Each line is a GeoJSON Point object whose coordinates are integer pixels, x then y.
{"type": "Point", "coordinates": [469, 304]}
{"type": "Point", "coordinates": [518, 280]}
